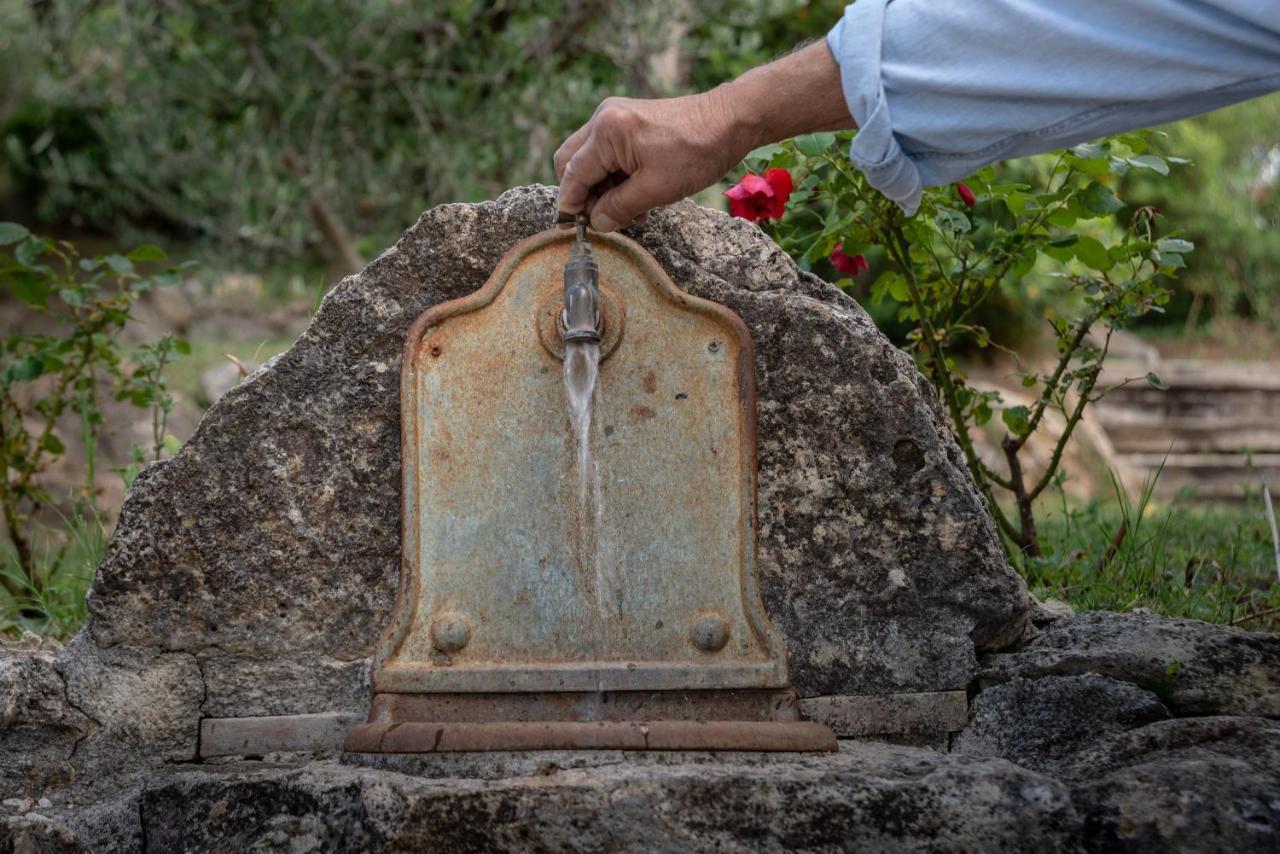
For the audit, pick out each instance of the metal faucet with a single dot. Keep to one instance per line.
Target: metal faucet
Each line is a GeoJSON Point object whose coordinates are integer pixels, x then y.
{"type": "Point", "coordinates": [581, 286]}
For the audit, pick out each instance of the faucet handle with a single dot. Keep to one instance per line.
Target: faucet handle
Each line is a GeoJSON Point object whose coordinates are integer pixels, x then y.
{"type": "Point", "coordinates": [580, 220]}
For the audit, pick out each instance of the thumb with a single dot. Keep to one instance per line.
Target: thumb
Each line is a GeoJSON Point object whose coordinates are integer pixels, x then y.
{"type": "Point", "coordinates": [623, 203]}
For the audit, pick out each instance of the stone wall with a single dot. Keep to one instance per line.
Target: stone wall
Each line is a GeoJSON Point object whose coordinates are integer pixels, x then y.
{"type": "Point", "coordinates": [251, 574]}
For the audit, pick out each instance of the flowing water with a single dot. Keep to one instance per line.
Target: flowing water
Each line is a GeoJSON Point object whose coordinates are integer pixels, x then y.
{"type": "Point", "coordinates": [581, 370]}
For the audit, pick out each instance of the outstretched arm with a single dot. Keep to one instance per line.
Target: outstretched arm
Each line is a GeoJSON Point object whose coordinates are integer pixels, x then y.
{"type": "Point", "coordinates": [938, 90]}
{"type": "Point", "coordinates": [634, 155]}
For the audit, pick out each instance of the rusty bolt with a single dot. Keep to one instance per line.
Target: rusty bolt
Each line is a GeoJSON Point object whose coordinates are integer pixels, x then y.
{"type": "Point", "coordinates": [435, 350]}
{"type": "Point", "coordinates": [450, 632]}
{"type": "Point", "coordinates": [710, 631]}
{"type": "Point", "coordinates": [713, 347]}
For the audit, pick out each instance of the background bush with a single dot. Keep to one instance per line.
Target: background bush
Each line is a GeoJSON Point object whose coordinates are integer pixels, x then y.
{"type": "Point", "coordinates": [272, 131]}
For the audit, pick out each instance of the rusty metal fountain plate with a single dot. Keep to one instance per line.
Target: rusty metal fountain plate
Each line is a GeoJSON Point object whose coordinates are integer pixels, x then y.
{"type": "Point", "coordinates": [543, 609]}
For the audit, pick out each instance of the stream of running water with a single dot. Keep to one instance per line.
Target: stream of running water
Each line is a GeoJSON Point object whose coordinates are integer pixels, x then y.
{"type": "Point", "coordinates": [581, 371]}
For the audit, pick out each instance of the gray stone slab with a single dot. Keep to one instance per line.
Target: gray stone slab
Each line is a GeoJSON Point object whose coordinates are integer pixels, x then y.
{"type": "Point", "coordinates": [865, 798]}
{"type": "Point", "coordinates": [272, 733]}
{"type": "Point", "coordinates": [925, 713]}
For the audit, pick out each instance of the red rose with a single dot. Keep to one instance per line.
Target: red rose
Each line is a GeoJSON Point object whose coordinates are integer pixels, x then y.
{"type": "Point", "coordinates": [756, 197]}
{"type": "Point", "coordinates": [966, 195]}
{"type": "Point", "coordinates": [850, 265]}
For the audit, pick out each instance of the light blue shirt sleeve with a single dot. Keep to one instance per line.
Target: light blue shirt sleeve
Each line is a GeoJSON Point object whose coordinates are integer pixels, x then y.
{"type": "Point", "coordinates": [940, 88]}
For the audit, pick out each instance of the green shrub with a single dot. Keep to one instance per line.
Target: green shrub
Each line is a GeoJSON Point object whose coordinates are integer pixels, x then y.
{"type": "Point", "coordinates": [963, 247]}
{"type": "Point", "coordinates": [54, 367]}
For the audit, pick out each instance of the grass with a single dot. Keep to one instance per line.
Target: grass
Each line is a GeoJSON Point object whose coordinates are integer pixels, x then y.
{"type": "Point", "coordinates": [65, 559]}
{"type": "Point", "coordinates": [1208, 562]}
{"type": "Point", "coordinates": [183, 377]}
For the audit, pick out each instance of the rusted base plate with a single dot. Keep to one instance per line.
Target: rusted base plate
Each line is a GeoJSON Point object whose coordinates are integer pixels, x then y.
{"type": "Point", "coordinates": [419, 737]}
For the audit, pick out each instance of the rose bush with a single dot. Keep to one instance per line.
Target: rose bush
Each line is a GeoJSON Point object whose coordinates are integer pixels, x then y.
{"type": "Point", "coordinates": [1065, 228]}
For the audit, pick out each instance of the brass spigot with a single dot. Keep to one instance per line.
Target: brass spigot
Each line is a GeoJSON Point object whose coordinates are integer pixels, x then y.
{"type": "Point", "coordinates": [581, 315]}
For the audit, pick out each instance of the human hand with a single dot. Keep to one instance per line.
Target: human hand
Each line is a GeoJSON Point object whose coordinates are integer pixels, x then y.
{"type": "Point", "coordinates": [634, 155]}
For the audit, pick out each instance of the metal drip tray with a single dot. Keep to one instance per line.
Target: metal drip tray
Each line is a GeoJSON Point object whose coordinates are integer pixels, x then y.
{"type": "Point", "coordinates": [527, 591]}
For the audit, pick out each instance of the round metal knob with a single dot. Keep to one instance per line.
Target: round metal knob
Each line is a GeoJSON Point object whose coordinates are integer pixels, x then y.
{"type": "Point", "coordinates": [450, 632]}
{"type": "Point", "coordinates": [710, 631]}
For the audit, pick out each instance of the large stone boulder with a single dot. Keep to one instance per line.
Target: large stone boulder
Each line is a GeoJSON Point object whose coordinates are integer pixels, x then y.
{"type": "Point", "coordinates": [1040, 723]}
{"type": "Point", "coordinates": [39, 726]}
{"type": "Point", "coordinates": [1188, 785]}
{"type": "Point", "coordinates": [264, 556]}
{"type": "Point", "coordinates": [868, 797]}
{"type": "Point", "coordinates": [1194, 668]}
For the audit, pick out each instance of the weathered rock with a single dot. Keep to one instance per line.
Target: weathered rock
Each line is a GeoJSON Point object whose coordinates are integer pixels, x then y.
{"type": "Point", "coordinates": [144, 705]}
{"type": "Point", "coordinates": [110, 825]}
{"type": "Point", "coordinates": [39, 727]}
{"type": "Point", "coordinates": [1038, 723]}
{"type": "Point", "coordinates": [1194, 668]}
{"type": "Point", "coordinates": [274, 534]}
{"type": "Point", "coordinates": [34, 833]}
{"type": "Point", "coordinates": [1193, 785]}
{"type": "Point", "coordinates": [238, 687]}
{"type": "Point", "coordinates": [865, 798]}
{"type": "Point", "coordinates": [1050, 610]}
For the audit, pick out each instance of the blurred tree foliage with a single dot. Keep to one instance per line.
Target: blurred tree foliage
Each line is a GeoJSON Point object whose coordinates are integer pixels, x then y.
{"type": "Point", "coordinates": [273, 130]}
{"type": "Point", "coordinates": [1229, 205]}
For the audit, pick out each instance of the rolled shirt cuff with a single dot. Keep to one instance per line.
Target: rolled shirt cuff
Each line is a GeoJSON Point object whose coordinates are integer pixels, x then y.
{"type": "Point", "coordinates": [855, 42]}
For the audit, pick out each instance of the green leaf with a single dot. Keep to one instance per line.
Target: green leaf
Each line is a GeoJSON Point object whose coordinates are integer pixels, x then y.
{"type": "Point", "coordinates": [1172, 261]}
{"type": "Point", "coordinates": [1065, 240]}
{"type": "Point", "coordinates": [1155, 382]}
{"type": "Point", "coordinates": [1180, 247]}
{"type": "Point", "coordinates": [1093, 254]}
{"type": "Point", "coordinates": [814, 144]}
{"type": "Point", "coordinates": [764, 152]}
{"type": "Point", "coordinates": [898, 289]}
{"type": "Point", "coordinates": [1150, 161]}
{"type": "Point", "coordinates": [27, 369]}
{"type": "Point", "coordinates": [172, 443]}
{"type": "Point", "coordinates": [29, 251]}
{"type": "Point", "coordinates": [182, 345]}
{"type": "Point", "coordinates": [148, 252]}
{"type": "Point", "coordinates": [953, 221]}
{"type": "Point", "coordinates": [1099, 199]}
{"type": "Point", "coordinates": [1089, 150]}
{"type": "Point", "coordinates": [1062, 218]}
{"type": "Point", "coordinates": [31, 288]}
{"type": "Point", "coordinates": [54, 445]}
{"type": "Point", "coordinates": [119, 264]}
{"type": "Point", "coordinates": [1017, 419]}
{"type": "Point", "coordinates": [11, 232]}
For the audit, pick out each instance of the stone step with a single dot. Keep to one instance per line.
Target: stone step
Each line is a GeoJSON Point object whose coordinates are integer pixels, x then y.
{"type": "Point", "coordinates": [1195, 403]}
{"type": "Point", "coordinates": [1212, 476]}
{"type": "Point", "coordinates": [1197, 389]}
{"type": "Point", "coordinates": [1133, 431]}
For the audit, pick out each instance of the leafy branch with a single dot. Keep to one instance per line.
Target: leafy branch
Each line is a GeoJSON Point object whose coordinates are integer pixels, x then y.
{"type": "Point", "coordinates": [67, 346]}
{"type": "Point", "coordinates": [942, 266]}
